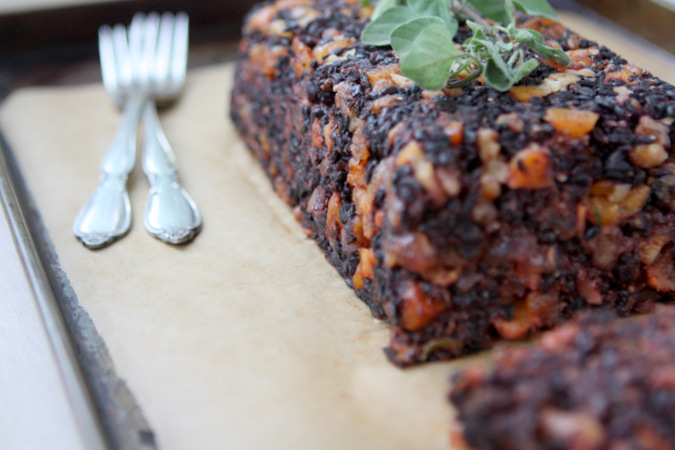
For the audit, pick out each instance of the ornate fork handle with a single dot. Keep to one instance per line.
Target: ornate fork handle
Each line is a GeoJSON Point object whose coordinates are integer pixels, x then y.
{"type": "Point", "coordinates": [170, 213]}
{"type": "Point", "coordinates": [106, 216]}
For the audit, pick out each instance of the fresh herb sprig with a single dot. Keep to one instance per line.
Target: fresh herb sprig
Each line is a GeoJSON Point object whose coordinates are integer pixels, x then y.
{"type": "Point", "coordinates": [421, 33]}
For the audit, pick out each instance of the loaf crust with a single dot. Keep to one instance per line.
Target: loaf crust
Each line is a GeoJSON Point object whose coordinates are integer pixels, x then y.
{"type": "Point", "coordinates": [466, 215]}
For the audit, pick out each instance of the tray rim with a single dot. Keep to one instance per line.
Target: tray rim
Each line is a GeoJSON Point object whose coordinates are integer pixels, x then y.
{"type": "Point", "coordinates": [103, 408]}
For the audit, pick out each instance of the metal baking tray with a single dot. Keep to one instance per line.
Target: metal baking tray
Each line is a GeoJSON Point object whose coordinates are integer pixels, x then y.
{"type": "Point", "coordinates": [58, 46]}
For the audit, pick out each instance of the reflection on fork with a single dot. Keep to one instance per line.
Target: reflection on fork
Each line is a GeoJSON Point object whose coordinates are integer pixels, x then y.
{"type": "Point", "coordinates": [145, 63]}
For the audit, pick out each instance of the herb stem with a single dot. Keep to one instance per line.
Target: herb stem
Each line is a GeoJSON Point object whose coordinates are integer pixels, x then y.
{"type": "Point", "coordinates": [469, 12]}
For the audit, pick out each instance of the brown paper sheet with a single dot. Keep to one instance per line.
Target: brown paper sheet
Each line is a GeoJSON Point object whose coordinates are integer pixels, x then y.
{"type": "Point", "coordinates": [246, 338]}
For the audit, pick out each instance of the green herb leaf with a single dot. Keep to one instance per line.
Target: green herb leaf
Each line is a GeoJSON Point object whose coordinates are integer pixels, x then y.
{"type": "Point", "coordinates": [381, 7]}
{"type": "Point", "coordinates": [536, 8]}
{"type": "Point", "coordinates": [492, 9]}
{"type": "Point", "coordinates": [502, 77]}
{"type": "Point", "coordinates": [421, 33]}
{"type": "Point", "coordinates": [404, 35]}
{"type": "Point", "coordinates": [478, 30]}
{"type": "Point", "coordinates": [378, 31]}
{"type": "Point", "coordinates": [536, 42]}
{"type": "Point", "coordinates": [496, 77]}
{"type": "Point", "coordinates": [430, 57]}
{"type": "Point", "coordinates": [436, 8]}
{"type": "Point", "coordinates": [524, 70]}
{"type": "Point", "coordinates": [510, 12]}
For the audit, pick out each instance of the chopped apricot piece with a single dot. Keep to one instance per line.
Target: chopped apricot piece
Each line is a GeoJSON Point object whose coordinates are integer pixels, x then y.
{"type": "Point", "coordinates": [574, 123]}
{"type": "Point", "coordinates": [530, 169]}
{"type": "Point", "coordinates": [333, 223]}
{"type": "Point", "coordinates": [357, 173]}
{"type": "Point", "coordinates": [661, 274]}
{"type": "Point", "coordinates": [302, 57]}
{"type": "Point", "coordinates": [418, 309]}
{"type": "Point", "coordinates": [537, 310]}
{"type": "Point", "coordinates": [455, 131]}
{"type": "Point", "coordinates": [626, 73]}
{"type": "Point", "coordinates": [260, 19]}
{"type": "Point", "coordinates": [650, 246]}
{"type": "Point", "coordinates": [516, 328]}
{"type": "Point", "coordinates": [264, 58]}
{"type": "Point", "coordinates": [364, 270]}
{"type": "Point", "coordinates": [339, 42]}
{"type": "Point", "coordinates": [581, 58]}
{"type": "Point", "coordinates": [380, 72]}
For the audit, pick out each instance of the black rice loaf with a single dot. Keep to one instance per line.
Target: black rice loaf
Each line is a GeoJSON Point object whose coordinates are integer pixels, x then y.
{"type": "Point", "coordinates": [464, 215]}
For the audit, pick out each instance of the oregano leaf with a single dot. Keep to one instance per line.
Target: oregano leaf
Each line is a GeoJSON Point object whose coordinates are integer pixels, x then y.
{"type": "Point", "coordinates": [539, 8]}
{"type": "Point", "coordinates": [536, 42]}
{"type": "Point", "coordinates": [381, 7]}
{"type": "Point", "coordinates": [475, 28]}
{"type": "Point", "coordinates": [524, 69]}
{"type": "Point", "coordinates": [404, 35]}
{"type": "Point", "coordinates": [430, 58]}
{"type": "Point", "coordinates": [492, 9]}
{"type": "Point", "coordinates": [437, 8]}
{"type": "Point", "coordinates": [510, 12]}
{"type": "Point", "coordinates": [497, 58]}
{"type": "Point", "coordinates": [378, 31]}
{"type": "Point", "coordinates": [496, 77]}
{"type": "Point", "coordinates": [421, 33]}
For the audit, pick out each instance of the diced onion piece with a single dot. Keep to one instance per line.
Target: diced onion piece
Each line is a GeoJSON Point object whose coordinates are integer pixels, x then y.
{"type": "Point", "coordinates": [612, 203]}
{"type": "Point", "coordinates": [653, 154]}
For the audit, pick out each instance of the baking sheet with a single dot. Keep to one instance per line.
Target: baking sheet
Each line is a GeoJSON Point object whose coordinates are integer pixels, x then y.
{"type": "Point", "coordinates": [245, 338]}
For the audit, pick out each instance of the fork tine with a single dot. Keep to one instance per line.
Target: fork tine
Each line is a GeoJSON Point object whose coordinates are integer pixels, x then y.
{"type": "Point", "coordinates": [136, 43]}
{"type": "Point", "coordinates": [121, 47]}
{"type": "Point", "coordinates": [180, 50]}
{"type": "Point", "coordinates": [163, 47]}
{"type": "Point", "coordinates": [149, 45]}
{"type": "Point", "coordinates": [106, 53]}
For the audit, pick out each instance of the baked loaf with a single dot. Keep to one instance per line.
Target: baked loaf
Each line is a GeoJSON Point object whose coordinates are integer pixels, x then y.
{"type": "Point", "coordinates": [595, 383]}
{"type": "Point", "coordinates": [464, 215]}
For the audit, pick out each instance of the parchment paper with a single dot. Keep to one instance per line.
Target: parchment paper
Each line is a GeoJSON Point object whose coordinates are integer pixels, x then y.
{"type": "Point", "coordinates": [246, 338]}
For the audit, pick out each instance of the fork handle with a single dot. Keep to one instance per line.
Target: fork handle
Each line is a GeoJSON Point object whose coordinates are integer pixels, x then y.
{"type": "Point", "coordinates": [170, 213]}
{"type": "Point", "coordinates": [106, 216]}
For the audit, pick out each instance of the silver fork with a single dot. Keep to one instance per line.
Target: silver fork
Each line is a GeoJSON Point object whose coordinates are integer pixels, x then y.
{"type": "Point", "coordinates": [170, 213]}
{"type": "Point", "coordinates": [106, 216]}
{"type": "Point", "coordinates": [150, 60]}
